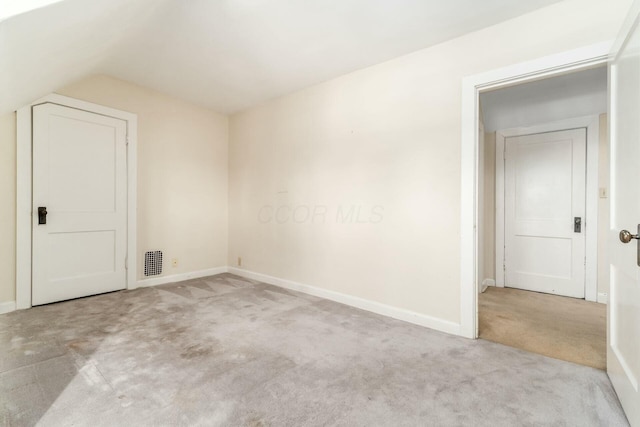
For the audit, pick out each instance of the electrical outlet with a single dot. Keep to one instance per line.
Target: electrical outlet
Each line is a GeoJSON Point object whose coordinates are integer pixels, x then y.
{"type": "Point", "coordinates": [239, 261]}
{"type": "Point", "coordinates": [174, 262]}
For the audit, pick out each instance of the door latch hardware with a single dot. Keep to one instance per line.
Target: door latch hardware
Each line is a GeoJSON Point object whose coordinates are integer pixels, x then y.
{"type": "Point", "coordinates": [577, 225]}
{"type": "Point", "coordinates": [42, 215]}
{"type": "Point", "coordinates": [626, 236]}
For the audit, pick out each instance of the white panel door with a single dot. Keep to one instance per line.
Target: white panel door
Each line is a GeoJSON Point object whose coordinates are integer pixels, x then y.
{"type": "Point", "coordinates": [623, 350]}
{"type": "Point", "coordinates": [544, 193]}
{"type": "Point", "coordinates": [79, 176]}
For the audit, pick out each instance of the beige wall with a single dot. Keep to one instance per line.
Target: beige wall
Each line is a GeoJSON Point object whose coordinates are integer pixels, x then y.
{"type": "Point", "coordinates": [182, 178]}
{"type": "Point", "coordinates": [7, 207]}
{"type": "Point", "coordinates": [387, 136]}
{"type": "Point", "coordinates": [486, 205]}
{"type": "Point", "coordinates": [182, 173]}
{"type": "Point", "coordinates": [489, 223]}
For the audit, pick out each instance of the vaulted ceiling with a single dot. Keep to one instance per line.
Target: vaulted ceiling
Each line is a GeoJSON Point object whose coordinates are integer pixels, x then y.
{"type": "Point", "coordinates": [226, 55]}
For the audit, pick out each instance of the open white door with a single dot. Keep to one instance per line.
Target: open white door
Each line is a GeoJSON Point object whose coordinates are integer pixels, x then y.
{"type": "Point", "coordinates": [623, 350]}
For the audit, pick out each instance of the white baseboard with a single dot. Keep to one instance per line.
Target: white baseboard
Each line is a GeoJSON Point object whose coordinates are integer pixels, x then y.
{"type": "Point", "coordinates": [162, 280]}
{"type": "Point", "coordinates": [603, 298]}
{"type": "Point", "coordinates": [7, 307]}
{"type": "Point", "coordinates": [361, 303]}
{"type": "Point", "coordinates": [488, 282]}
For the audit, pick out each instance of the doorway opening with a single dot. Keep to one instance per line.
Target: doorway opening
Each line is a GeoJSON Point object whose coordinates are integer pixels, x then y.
{"type": "Point", "coordinates": [542, 216]}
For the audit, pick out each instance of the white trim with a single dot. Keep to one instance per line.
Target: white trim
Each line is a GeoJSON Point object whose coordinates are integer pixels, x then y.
{"type": "Point", "coordinates": [499, 200]}
{"type": "Point", "coordinates": [23, 208]}
{"type": "Point", "coordinates": [7, 307]}
{"type": "Point", "coordinates": [361, 303]}
{"type": "Point", "coordinates": [603, 298]}
{"type": "Point", "coordinates": [132, 201]}
{"type": "Point", "coordinates": [489, 282]}
{"type": "Point", "coordinates": [485, 284]}
{"type": "Point", "coordinates": [592, 124]}
{"type": "Point", "coordinates": [561, 63]}
{"type": "Point", "coordinates": [23, 189]}
{"type": "Point", "coordinates": [155, 281]}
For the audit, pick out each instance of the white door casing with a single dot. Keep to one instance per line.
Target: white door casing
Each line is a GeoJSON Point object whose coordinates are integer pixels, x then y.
{"type": "Point", "coordinates": [623, 314]}
{"type": "Point", "coordinates": [79, 178]}
{"type": "Point", "coordinates": [544, 192]}
{"type": "Point", "coordinates": [25, 213]}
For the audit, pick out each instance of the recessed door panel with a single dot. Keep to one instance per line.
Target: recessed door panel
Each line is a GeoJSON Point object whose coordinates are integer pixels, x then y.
{"type": "Point", "coordinates": [543, 180]}
{"type": "Point", "coordinates": [89, 184]}
{"type": "Point", "coordinates": [78, 254]}
{"type": "Point", "coordinates": [544, 256]}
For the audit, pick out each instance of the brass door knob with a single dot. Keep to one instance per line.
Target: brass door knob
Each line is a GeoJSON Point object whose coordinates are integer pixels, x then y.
{"type": "Point", "coordinates": [626, 236]}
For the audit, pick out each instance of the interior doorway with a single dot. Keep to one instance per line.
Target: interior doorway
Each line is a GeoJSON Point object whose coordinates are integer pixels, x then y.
{"type": "Point", "coordinates": [543, 216]}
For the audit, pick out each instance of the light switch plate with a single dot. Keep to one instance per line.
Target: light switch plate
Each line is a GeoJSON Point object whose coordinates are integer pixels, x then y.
{"type": "Point", "coordinates": [603, 193]}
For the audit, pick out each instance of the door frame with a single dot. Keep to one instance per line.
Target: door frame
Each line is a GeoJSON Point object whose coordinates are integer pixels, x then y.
{"type": "Point", "coordinates": [24, 174]}
{"type": "Point", "coordinates": [592, 125]}
{"type": "Point", "coordinates": [553, 65]}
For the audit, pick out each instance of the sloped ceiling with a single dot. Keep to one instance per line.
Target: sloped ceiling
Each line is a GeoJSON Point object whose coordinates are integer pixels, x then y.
{"type": "Point", "coordinates": [226, 55]}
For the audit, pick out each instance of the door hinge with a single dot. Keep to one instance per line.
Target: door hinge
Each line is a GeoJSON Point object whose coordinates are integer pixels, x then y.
{"type": "Point", "coordinates": [127, 140]}
{"type": "Point", "coordinates": [126, 263]}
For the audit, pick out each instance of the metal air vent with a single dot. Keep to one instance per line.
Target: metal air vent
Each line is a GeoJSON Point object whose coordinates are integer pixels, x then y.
{"type": "Point", "coordinates": [153, 263]}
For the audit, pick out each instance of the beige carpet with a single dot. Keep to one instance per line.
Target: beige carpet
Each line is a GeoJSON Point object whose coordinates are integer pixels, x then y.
{"type": "Point", "coordinates": [560, 327]}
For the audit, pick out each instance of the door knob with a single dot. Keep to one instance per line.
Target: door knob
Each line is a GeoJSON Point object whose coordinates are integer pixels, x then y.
{"type": "Point", "coordinates": [42, 215]}
{"type": "Point", "coordinates": [626, 236]}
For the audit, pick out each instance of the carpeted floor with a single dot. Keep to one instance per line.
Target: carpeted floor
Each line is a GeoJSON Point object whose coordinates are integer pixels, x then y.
{"type": "Point", "coordinates": [560, 327]}
{"type": "Point", "coordinates": [224, 351]}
